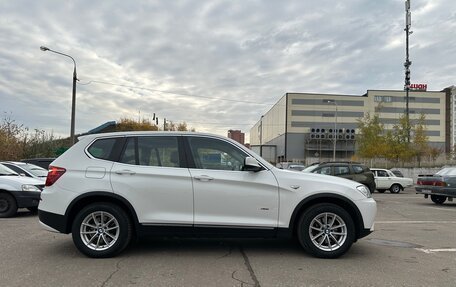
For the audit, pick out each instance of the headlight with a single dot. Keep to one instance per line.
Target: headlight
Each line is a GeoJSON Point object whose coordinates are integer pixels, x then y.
{"type": "Point", "coordinates": [30, 187]}
{"type": "Point", "coordinates": [364, 190]}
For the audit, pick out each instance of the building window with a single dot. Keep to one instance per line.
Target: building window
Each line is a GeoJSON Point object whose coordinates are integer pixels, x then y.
{"type": "Point", "coordinates": [383, 99]}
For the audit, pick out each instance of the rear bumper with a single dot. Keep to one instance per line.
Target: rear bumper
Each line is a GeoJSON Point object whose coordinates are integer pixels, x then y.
{"type": "Point", "coordinates": [436, 190]}
{"type": "Point", "coordinates": [53, 222]}
{"type": "Point", "coordinates": [26, 198]}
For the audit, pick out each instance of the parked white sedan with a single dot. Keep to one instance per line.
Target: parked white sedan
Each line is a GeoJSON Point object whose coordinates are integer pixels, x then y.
{"type": "Point", "coordinates": [385, 179]}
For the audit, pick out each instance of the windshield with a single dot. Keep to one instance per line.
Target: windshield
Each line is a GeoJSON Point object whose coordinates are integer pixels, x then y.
{"type": "Point", "coordinates": [310, 168]}
{"type": "Point", "coordinates": [35, 170]}
{"type": "Point", "coordinates": [6, 171]}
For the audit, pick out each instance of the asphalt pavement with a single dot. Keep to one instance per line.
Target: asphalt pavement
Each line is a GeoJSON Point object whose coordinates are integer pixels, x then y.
{"type": "Point", "coordinates": [414, 245]}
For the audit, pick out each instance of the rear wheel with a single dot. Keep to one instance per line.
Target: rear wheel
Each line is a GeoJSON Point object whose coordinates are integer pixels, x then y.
{"type": "Point", "coordinates": [438, 199]}
{"type": "Point", "coordinates": [8, 205]}
{"type": "Point", "coordinates": [101, 230]}
{"type": "Point", "coordinates": [395, 188]}
{"type": "Point", "coordinates": [326, 230]}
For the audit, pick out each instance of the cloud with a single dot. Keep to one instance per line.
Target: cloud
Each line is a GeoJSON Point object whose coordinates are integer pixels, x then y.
{"type": "Point", "coordinates": [212, 53]}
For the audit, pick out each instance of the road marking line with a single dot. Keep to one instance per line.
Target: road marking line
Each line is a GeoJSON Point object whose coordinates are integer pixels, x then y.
{"type": "Point", "coordinates": [413, 222]}
{"type": "Point", "coordinates": [430, 251]}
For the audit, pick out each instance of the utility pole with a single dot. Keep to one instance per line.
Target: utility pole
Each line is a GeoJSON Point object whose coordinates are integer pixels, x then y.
{"type": "Point", "coordinates": [408, 24]}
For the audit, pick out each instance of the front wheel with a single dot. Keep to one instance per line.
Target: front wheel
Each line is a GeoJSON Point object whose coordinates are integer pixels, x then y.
{"type": "Point", "coordinates": [326, 230]}
{"type": "Point", "coordinates": [101, 230]}
{"type": "Point", "coordinates": [8, 205]}
{"type": "Point", "coordinates": [438, 199]}
{"type": "Point", "coordinates": [395, 188]}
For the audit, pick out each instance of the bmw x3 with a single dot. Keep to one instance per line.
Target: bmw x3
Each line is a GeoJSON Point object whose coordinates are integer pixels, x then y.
{"type": "Point", "coordinates": [110, 188]}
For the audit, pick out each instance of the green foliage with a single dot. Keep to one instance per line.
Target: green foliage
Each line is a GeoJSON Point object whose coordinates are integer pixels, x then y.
{"type": "Point", "coordinates": [126, 124]}
{"type": "Point", "coordinates": [370, 141]}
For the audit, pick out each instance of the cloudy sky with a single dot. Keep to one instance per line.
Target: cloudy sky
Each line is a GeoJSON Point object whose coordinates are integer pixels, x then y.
{"type": "Point", "coordinates": [216, 65]}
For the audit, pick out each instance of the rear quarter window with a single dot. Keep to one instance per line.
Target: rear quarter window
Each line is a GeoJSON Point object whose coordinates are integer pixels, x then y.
{"type": "Point", "coordinates": [102, 148]}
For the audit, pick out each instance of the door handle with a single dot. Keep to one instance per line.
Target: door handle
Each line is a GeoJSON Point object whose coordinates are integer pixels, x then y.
{"type": "Point", "coordinates": [203, 178]}
{"type": "Point", "coordinates": [125, 171]}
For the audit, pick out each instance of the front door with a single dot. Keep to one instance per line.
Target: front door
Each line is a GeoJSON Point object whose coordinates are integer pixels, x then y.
{"type": "Point", "coordinates": [227, 196]}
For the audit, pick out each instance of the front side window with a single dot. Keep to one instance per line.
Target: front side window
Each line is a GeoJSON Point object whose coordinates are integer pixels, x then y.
{"type": "Point", "coordinates": [324, 170]}
{"type": "Point", "coordinates": [151, 151]}
{"type": "Point", "coordinates": [216, 154]}
{"type": "Point", "coordinates": [341, 170]}
{"type": "Point", "coordinates": [382, 173]}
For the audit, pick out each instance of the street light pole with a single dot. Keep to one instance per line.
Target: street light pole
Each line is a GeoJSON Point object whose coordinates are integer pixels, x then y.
{"type": "Point", "coordinates": [73, 98]}
{"type": "Point", "coordinates": [335, 128]}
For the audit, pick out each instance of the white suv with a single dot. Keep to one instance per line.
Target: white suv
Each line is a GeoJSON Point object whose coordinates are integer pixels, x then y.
{"type": "Point", "coordinates": [109, 187]}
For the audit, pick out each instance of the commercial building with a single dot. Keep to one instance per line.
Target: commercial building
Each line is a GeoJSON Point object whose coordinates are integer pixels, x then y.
{"type": "Point", "coordinates": [306, 127]}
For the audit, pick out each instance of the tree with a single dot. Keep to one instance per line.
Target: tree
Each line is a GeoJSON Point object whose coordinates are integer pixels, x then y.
{"type": "Point", "coordinates": [11, 133]}
{"type": "Point", "coordinates": [420, 139]}
{"type": "Point", "coordinates": [371, 141]}
{"type": "Point", "coordinates": [126, 124]}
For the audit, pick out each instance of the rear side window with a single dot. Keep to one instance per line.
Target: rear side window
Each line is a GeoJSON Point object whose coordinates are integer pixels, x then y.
{"type": "Point", "coordinates": [358, 169]}
{"type": "Point", "coordinates": [102, 148]}
{"type": "Point", "coordinates": [152, 151]}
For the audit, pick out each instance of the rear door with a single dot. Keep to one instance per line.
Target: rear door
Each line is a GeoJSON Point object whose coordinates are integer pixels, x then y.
{"type": "Point", "coordinates": [343, 170]}
{"type": "Point", "coordinates": [152, 176]}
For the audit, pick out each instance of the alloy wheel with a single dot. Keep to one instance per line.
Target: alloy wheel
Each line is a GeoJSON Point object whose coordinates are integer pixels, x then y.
{"type": "Point", "coordinates": [99, 230]}
{"type": "Point", "coordinates": [328, 231]}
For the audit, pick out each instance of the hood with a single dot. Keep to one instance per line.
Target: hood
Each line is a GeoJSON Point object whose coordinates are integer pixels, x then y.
{"type": "Point", "coordinates": [17, 181]}
{"type": "Point", "coordinates": [312, 183]}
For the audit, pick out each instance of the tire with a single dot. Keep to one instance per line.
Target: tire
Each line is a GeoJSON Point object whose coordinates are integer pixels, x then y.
{"type": "Point", "coordinates": [395, 188]}
{"type": "Point", "coordinates": [381, 190]}
{"type": "Point", "coordinates": [438, 199]}
{"type": "Point", "coordinates": [33, 209]}
{"type": "Point", "coordinates": [97, 240]}
{"type": "Point", "coordinates": [316, 235]}
{"type": "Point", "coordinates": [8, 205]}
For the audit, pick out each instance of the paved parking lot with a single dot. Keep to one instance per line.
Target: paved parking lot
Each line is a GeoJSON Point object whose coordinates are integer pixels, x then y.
{"type": "Point", "coordinates": [414, 245]}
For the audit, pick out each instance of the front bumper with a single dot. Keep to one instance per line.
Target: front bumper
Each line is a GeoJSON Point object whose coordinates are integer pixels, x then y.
{"type": "Point", "coordinates": [26, 198]}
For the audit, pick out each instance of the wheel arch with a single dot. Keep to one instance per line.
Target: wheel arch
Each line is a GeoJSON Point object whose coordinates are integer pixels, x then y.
{"type": "Point", "coordinates": [338, 200]}
{"type": "Point", "coordinates": [8, 192]}
{"type": "Point", "coordinates": [99, 196]}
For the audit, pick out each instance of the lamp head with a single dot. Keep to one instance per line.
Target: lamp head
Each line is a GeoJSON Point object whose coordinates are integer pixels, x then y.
{"type": "Point", "coordinates": [42, 48]}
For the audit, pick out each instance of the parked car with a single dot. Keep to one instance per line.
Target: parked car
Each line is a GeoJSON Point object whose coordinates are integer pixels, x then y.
{"type": "Point", "coordinates": [108, 187]}
{"type": "Point", "coordinates": [291, 166]}
{"type": "Point", "coordinates": [42, 162]}
{"type": "Point", "coordinates": [386, 179]}
{"type": "Point", "coordinates": [397, 172]}
{"type": "Point", "coordinates": [440, 186]}
{"type": "Point", "coordinates": [27, 169]}
{"type": "Point", "coordinates": [17, 192]}
{"type": "Point", "coordinates": [349, 170]}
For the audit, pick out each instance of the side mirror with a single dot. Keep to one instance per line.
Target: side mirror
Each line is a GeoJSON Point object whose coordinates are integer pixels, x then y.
{"type": "Point", "coordinates": [251, 164]}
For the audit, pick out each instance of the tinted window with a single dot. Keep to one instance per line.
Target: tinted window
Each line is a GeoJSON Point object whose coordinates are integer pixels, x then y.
{"type": "Point", "coordinates": [216, 154]}
{"type": "Point", "coordinates": [341, 170]}
{"type": "Point", "coordinates": [102, 148]}
{"type": "Point", "coordinates": [152, 151]}
{"type": "Point", "coordinates": [324, 170]}
{"type": "Point", "coordinates": [357, 169]}
{"type": "Point", "coordinates": [382, 173]}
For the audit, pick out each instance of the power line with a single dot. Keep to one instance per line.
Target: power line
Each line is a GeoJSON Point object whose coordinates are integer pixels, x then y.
{"type": "Point", "coordinates": [173, 93]}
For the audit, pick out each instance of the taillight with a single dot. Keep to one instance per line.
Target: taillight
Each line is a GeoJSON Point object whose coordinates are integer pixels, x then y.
{"type": "Point", "coordinates": [439, 183]}
{"type": "Point", "coordinates": [419, 182]}
{"type": "Point", "coordinates": [54, 174]}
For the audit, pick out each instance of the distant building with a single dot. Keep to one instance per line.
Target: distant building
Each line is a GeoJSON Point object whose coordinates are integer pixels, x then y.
{"type": "Point", "coordinates": [236, 135]}
{"type": "Point", "coordinates": [308, 127]}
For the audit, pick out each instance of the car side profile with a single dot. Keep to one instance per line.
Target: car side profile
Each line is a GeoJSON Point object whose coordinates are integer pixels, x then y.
{"type": "Point", "coordinates": [349, 170]}
{"type": "Point", "coordinates": [108, 188]}
{"type": "Point", "coordinates": [386, 180]}
{"type": "Point", "coordinates": [17, 192]}
{"type": "Point", "coordinates": [27, 169]}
